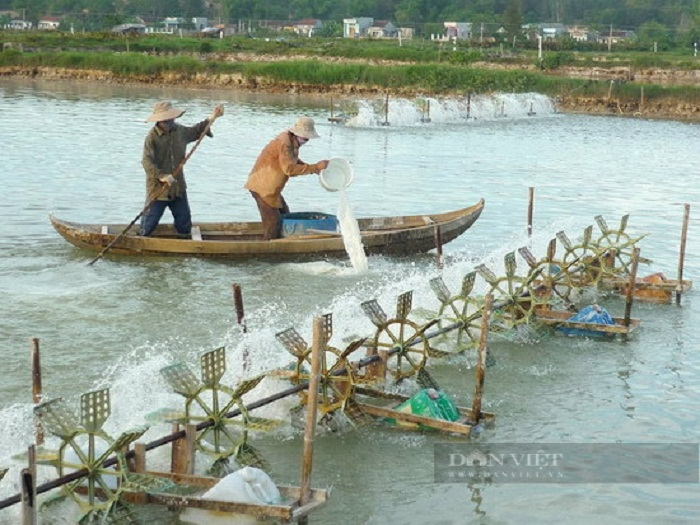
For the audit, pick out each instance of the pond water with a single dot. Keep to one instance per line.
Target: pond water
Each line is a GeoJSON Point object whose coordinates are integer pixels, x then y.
{"type": "Point", "coordinates": [74, 150]}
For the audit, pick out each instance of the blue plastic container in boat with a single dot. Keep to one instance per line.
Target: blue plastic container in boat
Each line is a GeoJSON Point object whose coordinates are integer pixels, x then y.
{"type": "Point", "coordinates": [308, 223]}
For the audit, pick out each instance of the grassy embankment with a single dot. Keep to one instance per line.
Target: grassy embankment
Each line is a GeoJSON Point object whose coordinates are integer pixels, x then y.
{"type": "Point", "coordinates": [324, 64]}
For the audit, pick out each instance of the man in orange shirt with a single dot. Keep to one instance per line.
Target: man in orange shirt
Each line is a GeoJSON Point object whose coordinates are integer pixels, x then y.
{"type": "Point", "coordinates": [277, 162]}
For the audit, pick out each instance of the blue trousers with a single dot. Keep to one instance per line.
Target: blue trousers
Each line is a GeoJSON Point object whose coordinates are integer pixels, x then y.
{"type": "Point", "coordinates": [179, 207]}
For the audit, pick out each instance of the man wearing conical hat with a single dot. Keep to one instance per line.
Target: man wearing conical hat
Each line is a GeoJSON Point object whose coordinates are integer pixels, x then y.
{"type": "Point", "coordinates": [277, 162]}
{"type": "Point", "coordinates": [163, 153]}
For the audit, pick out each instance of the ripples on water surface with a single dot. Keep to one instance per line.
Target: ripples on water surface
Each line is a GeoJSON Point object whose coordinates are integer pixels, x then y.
{"type": "Point", "coordinates": [75, 151]}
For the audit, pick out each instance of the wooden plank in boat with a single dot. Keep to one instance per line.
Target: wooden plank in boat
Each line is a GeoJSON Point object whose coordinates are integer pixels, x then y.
{"type": "Point", "coordinates": [323, 232]}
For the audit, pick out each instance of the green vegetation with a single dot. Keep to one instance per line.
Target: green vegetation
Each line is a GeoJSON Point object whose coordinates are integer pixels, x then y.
{"type": "Point", "coordinates": [418, 66]}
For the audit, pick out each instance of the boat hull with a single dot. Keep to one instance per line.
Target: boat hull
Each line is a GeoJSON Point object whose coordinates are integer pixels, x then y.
{"type": "Point", "coordinates": [402, 235]}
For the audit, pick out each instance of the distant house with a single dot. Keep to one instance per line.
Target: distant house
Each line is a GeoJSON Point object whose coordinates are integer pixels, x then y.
{"type": "Point", "coordinates": [275, 25]}
{"type": "Point", "coordinates": [406, 33]}
{"type": "Point", "coordinates": [552, 31]}
{"type": "Point", "coordinates": [174, 24]}
{"type": "Point", "coordinates": [20, 24]}
{"type": "Point", "coordinates": [49, 23]}
{"type": "Point", "coordinates": [615, 36]}
{"type": "Point", "coordinates": [458, 30]}
{"type": "Point", "coordinates": [130, 29]}
{"type": "Point", "coordinates": [356, 27]}
{"type": "Point", "coordinates": [167, 25]}
{"type": "Point", "coordinates": [382, 29]}
{"type": "Point", "coordinates": [200, 23]}
{"type": "Point", "coordinates": [307, 27]}
{"type": "Point", "coordinates": [454, 31]}
{"type": "Point", "coordinates": [582, 34]}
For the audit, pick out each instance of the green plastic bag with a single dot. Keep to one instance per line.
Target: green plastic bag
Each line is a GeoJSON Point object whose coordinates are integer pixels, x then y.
{"type": "Point", "coordinates": [431, 403]}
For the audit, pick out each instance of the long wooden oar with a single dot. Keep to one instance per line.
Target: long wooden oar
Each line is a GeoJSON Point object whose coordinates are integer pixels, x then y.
{"type": "Point", "coordinates": [158, 195]}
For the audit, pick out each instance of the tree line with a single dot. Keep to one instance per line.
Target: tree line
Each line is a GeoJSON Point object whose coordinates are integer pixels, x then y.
{"type": "Point", "coordinates": [676, 15]}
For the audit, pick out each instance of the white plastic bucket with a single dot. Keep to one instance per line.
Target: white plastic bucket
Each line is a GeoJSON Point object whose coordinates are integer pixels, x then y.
{"type": "Point", "coordinates": [338, 175]}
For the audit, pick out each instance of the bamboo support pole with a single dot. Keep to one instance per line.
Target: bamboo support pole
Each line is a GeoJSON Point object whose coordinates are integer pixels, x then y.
{"type": "Point", "coordinates": [381, 363]}
{"type": "Point", "coordinates": [240, 318]}
{"type": "Point", "coordinates": [530, 207]}
{"type": "Point", "coordinates": [139, 463]}
{"type": "Point", "coordinates": [386, 111]}
{"type": "Point", "coordinates": [370, 362]}
{"type": "Point", "coordinates": [311, 410]}
{"type": "Point", "coordinates": [190, 447]}
{"type": "Point", "coordinates": [481, 360]}
{"type": "Point", "coordinates": [438, 245]}
{"type": "Point", "coordinates": [183, 449]}
{"type": "Point", "coordinates": [681, 256]}
{"type": "Point", "coordinates": [28, 486]}
{"type": "Point", "coordinates": [238, 304]}
{"type": "Point", "coordinates": [176, 460]}
{"type": "Point", "coordinates": [631, 287]}
{"type": "Point", "coordinates": [36, 387]}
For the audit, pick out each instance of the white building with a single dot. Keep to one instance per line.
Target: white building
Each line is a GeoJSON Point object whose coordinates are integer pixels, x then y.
{"type": "Point", "coordinates": [49, 23]}
{"type": "Point", "coordinates": [20, 24]}
{"type": "Point", "coordinates": [356, 27]}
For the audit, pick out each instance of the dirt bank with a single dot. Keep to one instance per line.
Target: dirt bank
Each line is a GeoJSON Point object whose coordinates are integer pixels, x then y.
{"type": "Point", "coordinates": [667, 108]}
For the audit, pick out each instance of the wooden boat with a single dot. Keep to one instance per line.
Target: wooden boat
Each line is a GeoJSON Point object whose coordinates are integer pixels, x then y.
{"type": "Point", "coordinates": [402, 235]}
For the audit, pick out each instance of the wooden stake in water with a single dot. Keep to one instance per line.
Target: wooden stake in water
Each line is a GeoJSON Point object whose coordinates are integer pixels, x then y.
{"type": "Point", "coordinates": [311, 408]}
{"type": "Point", "coordinates": [530, 207]}
{"type": "Point", "coordinates": [631, 287]}
{"type": "Point", "coordinates": [240, 317]}
{"type": "Point", "coordinates": [481, 360]}
{"type": "Point", "coordinates": [28, 477]}
{"type": "Point", "coordinates": [183, 450]}
{"type": "Point", "coordinates": [36, 387]}
{"type": "Point", "coordinates": [681, 256]}
{"type": "Point", "coordinates": [386, 111]}
{"type": "Point", "coordinates": [438, 245]}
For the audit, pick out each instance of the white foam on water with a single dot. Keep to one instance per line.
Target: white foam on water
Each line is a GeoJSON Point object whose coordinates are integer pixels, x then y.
{"type": "Point", "coordinates": [321, 268]}
{"type": "Point", "coordinates": [351, 234]}
{"type": "Point", "coordinates": [403, 112]}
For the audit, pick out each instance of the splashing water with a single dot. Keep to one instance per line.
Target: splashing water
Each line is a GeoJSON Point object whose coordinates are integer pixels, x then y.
{"type": "Point", "coordinates": [402, 112]}
{"type": "Point", "coordinates": [351, 234]}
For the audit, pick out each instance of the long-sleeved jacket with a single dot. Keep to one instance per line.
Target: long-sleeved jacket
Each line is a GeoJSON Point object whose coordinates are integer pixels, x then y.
{"type": "Point", "coordinates": [163, 151]}
{"type": "Point", "coordinates": [278, 161]}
